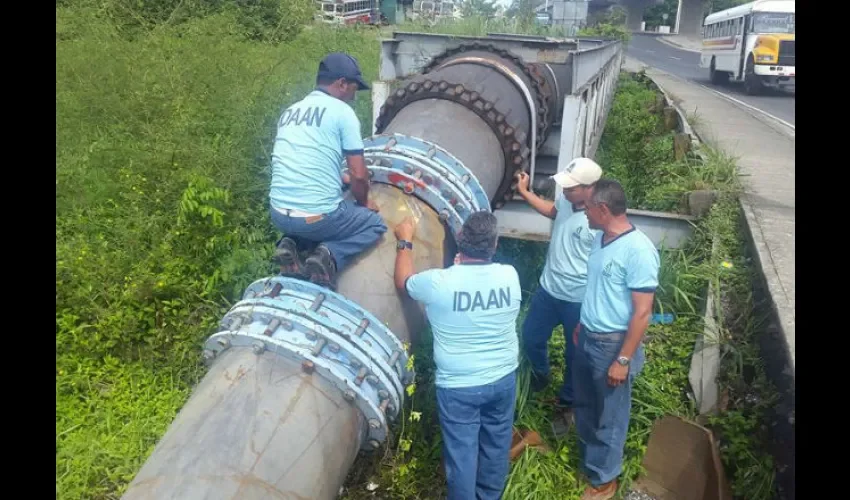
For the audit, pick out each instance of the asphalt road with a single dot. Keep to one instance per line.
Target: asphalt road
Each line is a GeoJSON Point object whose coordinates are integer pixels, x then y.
{"type": "Point", "coordinates": [653, 52]}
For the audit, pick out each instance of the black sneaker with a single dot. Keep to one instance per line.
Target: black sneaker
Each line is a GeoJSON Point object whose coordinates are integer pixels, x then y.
{"type": "Point", "coordinates": [286, 255]}
{"type": "Point", "coordinates": [320, 267]}
{"type": "Point", "coordinates": [563, 419]}
{"type": "Point", "coordinates": [538, 382]}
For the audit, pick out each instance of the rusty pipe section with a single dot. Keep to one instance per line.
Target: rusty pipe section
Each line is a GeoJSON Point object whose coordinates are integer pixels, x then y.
{"type": "Point", "coordinates": [483, 104]}
{"type": "Point", "coordinates": [301, 378]}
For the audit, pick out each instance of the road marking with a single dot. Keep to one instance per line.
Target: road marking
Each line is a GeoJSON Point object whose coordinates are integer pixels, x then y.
{"type": "Point", "coordinates": [676, 58]}
{"type": "Point", "coordinates": [749, 106]}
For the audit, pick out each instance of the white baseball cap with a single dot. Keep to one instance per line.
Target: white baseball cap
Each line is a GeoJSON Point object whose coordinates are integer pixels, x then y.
{"type": "Point", "coordinates": [580, 172]}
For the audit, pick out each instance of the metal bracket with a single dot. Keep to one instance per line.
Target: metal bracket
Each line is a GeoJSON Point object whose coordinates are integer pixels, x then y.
{"type": "Point", "coordinates": [427, 171]}
{"type": "Point", "coordinates": [330, 336]}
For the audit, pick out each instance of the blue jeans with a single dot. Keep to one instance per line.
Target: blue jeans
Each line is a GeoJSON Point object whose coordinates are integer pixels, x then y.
{"type": "Point", "coordinates": [477, 427]}
{"type": "Point", "coordinates": [547, 312]}
{"type": "Point", "coordinates": [602, 412]}
{"type": "Point", "coordinates": [346, 231]}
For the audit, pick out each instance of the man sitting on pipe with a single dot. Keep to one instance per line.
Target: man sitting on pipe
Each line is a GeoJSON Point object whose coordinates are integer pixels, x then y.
{"type": "Point", "coordinates": [557, 300]}
{"type": "Point", "coordinates": [307, 205]}
{"type": "Point", "coordinates": [472, 307]}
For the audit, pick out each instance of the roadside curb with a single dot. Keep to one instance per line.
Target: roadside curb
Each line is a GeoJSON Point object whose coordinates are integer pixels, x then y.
{"type": "Point", "coordinates": [675, 45]}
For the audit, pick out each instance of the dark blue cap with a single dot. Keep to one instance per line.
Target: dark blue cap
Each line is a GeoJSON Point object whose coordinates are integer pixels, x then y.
{"type": "Point", "coordinates": [340, 65]}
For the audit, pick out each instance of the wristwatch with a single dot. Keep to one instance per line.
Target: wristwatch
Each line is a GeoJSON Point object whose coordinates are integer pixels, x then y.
{"type": "Point", "coordinates": [402, 244]}
{"type": "Point", "coordinates": [624, 361]}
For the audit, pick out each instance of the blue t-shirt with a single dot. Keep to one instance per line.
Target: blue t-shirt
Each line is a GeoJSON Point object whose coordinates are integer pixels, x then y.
{"type": "Point", "coordinates": [565, 272]}
{"type": "Point", "coordinates": [313, 135]}
{"type": "Point", "coordinates": [473, 310]}
{"type": "Point", "coordinates": [628, 263]}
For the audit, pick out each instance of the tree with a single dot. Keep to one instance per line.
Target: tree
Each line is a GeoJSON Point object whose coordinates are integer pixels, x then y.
{"type": "Point", "coordinates": [478, 8]}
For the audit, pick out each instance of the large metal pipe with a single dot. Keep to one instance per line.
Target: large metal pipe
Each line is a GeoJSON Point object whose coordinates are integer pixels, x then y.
{"type": "Point", "coordinates": [301, 378]}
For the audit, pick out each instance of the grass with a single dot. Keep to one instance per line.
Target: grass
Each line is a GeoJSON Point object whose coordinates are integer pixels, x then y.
{"type": "Point", "coordinates": [161, 175]}
{"type": "Point", "coordinates": [161, 220]}
{"type": "Point", "coordinates": [632, 137]}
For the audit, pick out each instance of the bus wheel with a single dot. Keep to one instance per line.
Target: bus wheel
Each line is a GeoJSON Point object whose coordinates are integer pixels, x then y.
{"type": "Point", "coordinates": [717, 77]}
{"type": "Point", "coordinates": [752, 82]}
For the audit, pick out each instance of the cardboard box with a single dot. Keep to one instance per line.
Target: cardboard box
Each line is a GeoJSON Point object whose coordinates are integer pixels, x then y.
{"type": "Point", "coordinates": [682, 462]}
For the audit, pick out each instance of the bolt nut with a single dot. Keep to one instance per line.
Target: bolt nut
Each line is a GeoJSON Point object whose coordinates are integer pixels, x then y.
{"type": "Point", "coordinates": [334, 348]}
{"type": "Point", "coordinates": [310, 335]}
{"type": "Point", "coordinates": [383, 394]}
{"type": "Point", "coordinates": [374, 444]}
{"type": "Point", "coordinates": [208, 355]}
{"type": "Point", "coordinates": [373, 380]}
{"type": "Point", "coordinates": [258, 347]}
{"type": "Point", "coordinates": [223, 342]}
{"type": "Point", "coordinates": [355, 363]}
{"type": "Point", "coordinates": [349, 395]}
{"type": "Point", "coordinates": [374, 423]}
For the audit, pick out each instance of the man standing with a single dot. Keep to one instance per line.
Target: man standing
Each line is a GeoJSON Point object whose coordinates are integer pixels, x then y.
{"type": "Point", "coordinates": [622, 275]}
{"type": "Point", "coordinates": [313, 137]}
{"type": "Point", "coordinates": [472, 307]}
{"type": "Point", "coordinates": [557, 300]}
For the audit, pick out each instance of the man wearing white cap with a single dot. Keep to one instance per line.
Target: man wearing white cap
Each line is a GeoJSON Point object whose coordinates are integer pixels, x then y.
{"type": "Point", "coordinates": [558, 299]}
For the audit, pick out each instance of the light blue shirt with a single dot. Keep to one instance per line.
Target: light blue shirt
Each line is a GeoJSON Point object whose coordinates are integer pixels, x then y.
{"type": "Point", "coordinates": [628, 263]}
{"type": "Point", "coordinates": [473, 310]}
{"type": "Point", "coordinates": [313, 135]}
{"type": "Point", "coordinates": [565, 272]}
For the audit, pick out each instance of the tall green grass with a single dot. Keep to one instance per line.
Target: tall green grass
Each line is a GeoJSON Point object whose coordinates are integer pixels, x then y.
{"type": "Point", "coordinates": [163, 136]}
{"type": "Point", "coordinates": [162, 154]}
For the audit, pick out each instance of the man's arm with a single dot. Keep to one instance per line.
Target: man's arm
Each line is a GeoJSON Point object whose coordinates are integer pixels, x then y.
{"type": "Point", "coordinates": [642, 304]}
{"type": "Point", "coordinates": [352, 148]}
{"type": "Point", "coordinates": [546, 208]}
{"type": "Point", "coordinates": [404, 257]}
{"type": "Point", "coordinates": [642, 279]}
{"type": "Point", "coordinates": [359, 176]}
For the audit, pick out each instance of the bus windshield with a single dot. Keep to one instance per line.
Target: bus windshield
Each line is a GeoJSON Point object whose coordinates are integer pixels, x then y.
{"type": "Point", "coordinates": [773, 22]}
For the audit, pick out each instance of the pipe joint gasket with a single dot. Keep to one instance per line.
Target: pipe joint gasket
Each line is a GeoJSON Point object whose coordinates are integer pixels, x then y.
{"type": "Point", "coordinates": [330, 336]}
{"type": "Point", "coordinates": [422, 169]}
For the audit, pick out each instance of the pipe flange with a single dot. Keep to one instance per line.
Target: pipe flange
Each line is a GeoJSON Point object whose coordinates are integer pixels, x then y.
{"type": "Point", "coordinates": [516, 153]}
{"type": "Point", "coordinates": [537, 81]}
{"type": "Point", "coordinates": [429, 172]}
{"type": "Point", "coordinates": [330, 336]}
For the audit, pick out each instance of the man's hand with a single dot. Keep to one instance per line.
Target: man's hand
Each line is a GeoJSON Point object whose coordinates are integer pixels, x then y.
{"type": "Point", "coordinates": [523, 180]}
{"type": "Point", "coordinates": [617, 374]}
{"type": "Point", "coordinates": [575, 334]}
{"type": "Point", "coordinates": [371, 205]}
{"type": "Point", "coordinates": [406, 229]}
{"type": "Point", "coordinates": [346, 178]}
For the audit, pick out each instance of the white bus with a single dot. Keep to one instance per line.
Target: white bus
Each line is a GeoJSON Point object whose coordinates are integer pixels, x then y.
{"type": "Point", "coordinates": [751, 43]}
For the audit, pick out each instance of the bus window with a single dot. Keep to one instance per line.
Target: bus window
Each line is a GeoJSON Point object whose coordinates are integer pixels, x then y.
{"type": "Point", "coordinates": [773, 22]}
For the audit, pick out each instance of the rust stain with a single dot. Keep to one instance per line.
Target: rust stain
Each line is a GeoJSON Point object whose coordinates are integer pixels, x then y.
{"type": "Point", "coordinates": [396, 178]}
{"type": "Point", "coordinates": [239, 374]}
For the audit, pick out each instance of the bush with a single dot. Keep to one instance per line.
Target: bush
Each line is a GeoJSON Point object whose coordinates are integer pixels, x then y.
{"type": "Point", "coordinates": [606, 31]}
{"type": "Point", "coordinates": [162, 171]}
{"type": "Point", "coordinates": [267, 20]}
